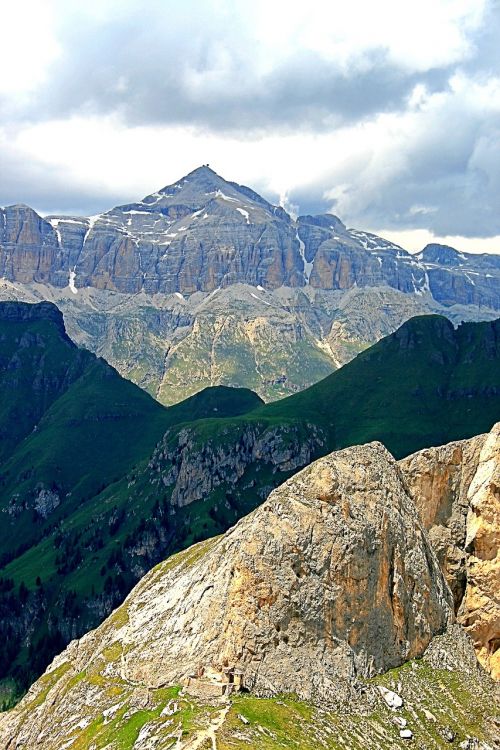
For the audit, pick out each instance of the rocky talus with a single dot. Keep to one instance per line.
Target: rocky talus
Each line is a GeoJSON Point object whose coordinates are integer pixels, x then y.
{"type": "Point", "coordinates": [456, 488]}
{"type": "Point", "coordinates": [274, 342]}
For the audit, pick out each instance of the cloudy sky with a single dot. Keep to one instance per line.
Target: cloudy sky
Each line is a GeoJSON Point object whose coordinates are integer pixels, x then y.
{"type": "Point", "coordinates": [387, 113]}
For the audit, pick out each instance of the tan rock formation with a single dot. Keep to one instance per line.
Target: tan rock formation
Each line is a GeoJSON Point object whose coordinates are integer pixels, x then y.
{"type": "Point", "coordinates": [331, 578]}
{"type": "Point", "coordinates": [439, 480]}
{"type": "Point", "coordinates": [456, 490]}
{"type": "Point", "coordinates": [480, 610]}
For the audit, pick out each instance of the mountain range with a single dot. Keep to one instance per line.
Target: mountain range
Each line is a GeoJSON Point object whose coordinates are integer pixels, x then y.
{"type": "Point", "coordinates": [100, 482]}
{"type": "Point", "coordinates": [200, 282]}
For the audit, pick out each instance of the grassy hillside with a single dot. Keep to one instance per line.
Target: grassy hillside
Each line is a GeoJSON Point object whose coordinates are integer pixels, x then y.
{"type": "Point", "coordinates": [71, 425]}
{"type": "Point", "coordinates": [426, 384]}
{"type": "Point", "coordinates": [125, 504]}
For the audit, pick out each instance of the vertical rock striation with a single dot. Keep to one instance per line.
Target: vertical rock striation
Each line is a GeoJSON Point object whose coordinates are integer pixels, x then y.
{"type": "Point", "coordinates": [480, 609]}
{"type": "Point", "coordinates": [456, 490]}
{"type": "Point", "coordinates": [204, 233]}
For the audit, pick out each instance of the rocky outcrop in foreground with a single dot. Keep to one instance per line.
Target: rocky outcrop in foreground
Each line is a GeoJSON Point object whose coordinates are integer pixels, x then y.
{"type": "Point", "coordinates": [456, 488]}
{"type": "Point", "coordinates": [331, 581]}
{"type": "Point", "coordinates": [330, 578]}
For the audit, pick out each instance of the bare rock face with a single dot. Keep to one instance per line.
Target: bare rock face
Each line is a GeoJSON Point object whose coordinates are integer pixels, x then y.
{"type": "Point", "coordinates": [204, 282]}
{"type": "Point", "coordinates": [480, 610]}
{"type": "Point", "coordinates": [330, 579]}
{"type": "Point", "coordinates": [439, 480]}
{"type": "Point", "coordinates": [204, 233]}
{"type": "Point", "coordinates": [29, 250]}
{"type": "Point", "coordinates": [456, 490]}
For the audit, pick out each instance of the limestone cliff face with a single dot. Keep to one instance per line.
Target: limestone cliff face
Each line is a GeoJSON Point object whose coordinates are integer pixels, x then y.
{"type": "Point", "coordinates": [197, 235]}
{"type": "Point", "coordinates": [480, 610]}
{"type": "Point", "coordinates": [331, 578]}
{"type": "Point", "coordinates": [439, 480]}
{"type": "Point", "coordinates": [204, 233]}
{"type": "Point", "coordinates": [29, 250]}
{"type": "Point", "coordinates": [447, 281]}
{"type": "Point", "coordinates": [456, 490]}
{"type": "Point", "coordinates": [204, 282]}
{"type": "Point", "coordinates": [194, 471]}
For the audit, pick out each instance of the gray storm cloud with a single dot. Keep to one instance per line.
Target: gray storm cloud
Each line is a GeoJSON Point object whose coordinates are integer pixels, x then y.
{"type": "Point", "coordinates": [155, 68]}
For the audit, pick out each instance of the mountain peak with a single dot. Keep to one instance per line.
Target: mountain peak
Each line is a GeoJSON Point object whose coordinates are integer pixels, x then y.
{"type": "Point", "coordinates": [442, 254]}
{"type": "Point", "coordinates": [204, 169]}
{"type": "Point", "coordinates": [201, 177]}
{"type": "Point", "coordinates": [202, 187]}
{"type": "Point", "coordinates": [22, 312]}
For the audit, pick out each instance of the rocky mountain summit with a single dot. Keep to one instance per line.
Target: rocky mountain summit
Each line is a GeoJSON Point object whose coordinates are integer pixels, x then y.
{"type": "Point", "coordinates": [203, 233]}
{"type": "Point", "coordinates": [319, 592]}
{"type": "Point", "coordinates": [195, 284]}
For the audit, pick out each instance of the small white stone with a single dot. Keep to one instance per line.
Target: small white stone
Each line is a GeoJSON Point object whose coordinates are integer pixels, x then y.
{"type": "Point", "coordinates": [429, 715]}
{"type": "Point", "coordinates": [392, 699]}
{"type": "Point", "coordinates": [170, 709]}
{"type": "Point", "coordinates": [406, 734]}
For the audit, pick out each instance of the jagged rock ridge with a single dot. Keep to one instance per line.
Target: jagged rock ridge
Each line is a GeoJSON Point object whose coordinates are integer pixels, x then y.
{"type": "Point", "coordinates": [203, 233]}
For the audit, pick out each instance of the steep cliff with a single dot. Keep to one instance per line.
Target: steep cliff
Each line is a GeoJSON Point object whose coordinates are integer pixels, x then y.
{"type": "Point", "coordinates": [480, 610]}
{"type": "Point", "coordinates": [469, 279]}
{"type": "Point", "coordinates": [203, 233]}
{"type": "Point", "coordinates": [456, 490]}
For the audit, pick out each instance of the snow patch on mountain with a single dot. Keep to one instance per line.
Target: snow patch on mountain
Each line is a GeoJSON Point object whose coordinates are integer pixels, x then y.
{"type": "Point", "coordinates": [308, 267]}
{"type": "Point", "coordinates": [71, 284]}
{"type": "Point", "coordinates": [245, 214]}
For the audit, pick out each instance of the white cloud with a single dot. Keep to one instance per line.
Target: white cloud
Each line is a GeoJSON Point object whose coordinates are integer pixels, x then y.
{"type": "Point", "coordinates": [105, 153]}
{"type": "Point", "coordinates": [385, 110]}
{"type": "Point", "coordinates": [29, 45]}
{"type": "Point", "coordinates": [415, 35]}
{"type": "Point", "coordinates": [437, 162]}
